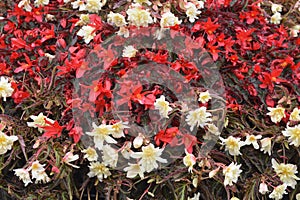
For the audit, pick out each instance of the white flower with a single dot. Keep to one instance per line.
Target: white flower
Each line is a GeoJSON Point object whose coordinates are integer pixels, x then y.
{"type": "Point", "coordinates": [133, 170]}
{"type": "Point", "coordinates": [126, 151]}
{"type": "Point", "coordinates": [123, 31]}
{"type": "Point", "coordinates": [198, 117]}
{"type": "Point", "coordinates": [263, 188]}
{"type": "Point", "coordinates": [138, 16]}
{"type": "Point", "coordinates": [276, 114]}
{"type": "Point", "coordinates": [212, 173]}
{"type": "Point", "coordinates": [168, 19]}
{"type": "Point", "coordinates": [84, 19]}
{"type": "Point", "coordinates": [87, 32]}
{"type": "Point", "coordinates": [200, 4]}
{"type": "Point", "coordinates": [294, 32]}
{"type": "Point", "coordinates": [70, 157]}
{"type": "Point", "coordinates": [23, 175]}
{"type": "Point", "coordinates": [5, 88]}
{"type": "Point", "coordinates": [149, 156]}
{"type": "Point", "coordinates": [25, 4]}
{"type": "Point", "coordinates": [276, 18]}
{"type": "Point", "coordinates": [234, 198]}
{"type": "Point", "coordinates": [204, 97]}
{"type": "Point", "coordinates": [50, 56]}
{"type": "Point", "coordinates": [252, 139]}
{"type": "Point", "coordinates": [298, 196]}
{"type": "Point", "coordinates": [39, 121]}
{"type": "Point", "coordinates": [118, 129]}
{"type": "Point", "coordinates": [129, 51]}
{"type": "Point", "coordinates": [143, 1]}
{"type": "Point", "coordinates": [6, 142]}
{"type": "Point", "coordinates": [93, 6]}
{"type": "Point", "coordinates": [195, 197]}
{"type": "Point", "coordinates": [98, 169]}
{"type": "Point", "coordinates": [294, 135]}
{"type": "Point", "coordinates": [116, 19]}
{"type": "Point", "coordinates": [90, 154]}
{"type": "Point", "coordinates": [266, 145]}
{"type": "Point", "coordinates": [278, 192]}
{"type": "Point", "coordinates": [232, 145]}
{"type": "Point", "coordinates": [38, 172]}
{"type": "Point", "coordinates": [191, 12]}
{"type": "Point", "coordinates": [295, 115]}
{"type": "Point", "coordinates": [38, 3]}
{"type": "Point", "coordinates": [286, 173]}
{"type": "Point", "coordinates": [232, 173]}
{"type": "Point", "coordinates": [110, 156]}
{"type": "Point", "coordinates": [101, 133]}
{"type": "Point", "coordinates": [213, 129]}
{"type": "Point", "coordinates": [79, 4]}
{"type": "Point", "coordinates": [50, 17]}
{"type": "Point", "coordinates": [138, 141]}
{"type": "Point", "coordinates": [162, 106]}
{"type": "Point", "coordinates": [276, 8]}
{"type": "Point", "coordinates": [189, 160]}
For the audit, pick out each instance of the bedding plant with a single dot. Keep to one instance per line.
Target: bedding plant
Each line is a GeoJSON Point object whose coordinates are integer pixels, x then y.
{"type": "Point", "coordinates": [142, 99]}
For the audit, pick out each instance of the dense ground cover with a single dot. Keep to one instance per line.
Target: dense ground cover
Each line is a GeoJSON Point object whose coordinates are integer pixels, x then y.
{"type": "Point", "coordinates": [149, 99]}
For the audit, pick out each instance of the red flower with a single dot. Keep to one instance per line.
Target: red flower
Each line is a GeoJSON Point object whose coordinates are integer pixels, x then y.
{"type": "Point", "coordinates": [52, 130]}
{"type": "Point", "coordinates": [210, 27]}
{"type": "Point", "coordinates": [19, 96]}
{"type": "Point", "coordinates": [144, 98]}
{"type": "Point", "coordinates": [268, 79]}
{"type": "Point", "coordinates": [76, 133]}
{"type": "Point", "coordinates": [167, 136]}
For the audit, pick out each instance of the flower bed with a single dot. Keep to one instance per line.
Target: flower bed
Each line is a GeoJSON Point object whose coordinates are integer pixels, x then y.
{"type": "Point", "coordinates": [149, 99]}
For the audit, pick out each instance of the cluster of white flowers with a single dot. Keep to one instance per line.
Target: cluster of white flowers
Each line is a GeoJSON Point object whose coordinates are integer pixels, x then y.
{"type": "Point", "coordinates": [276, 17]}
{"type": "Point", "coordinates": [139, 16]}
{"type": "Point", "coordinates": [6, 89]}
{"type": "Point", "coordinates": [37, 171]}
{"type": "Point", "coordinates": [233, 144]}
{"type": "Point", "coordinates": [92, 6]}
{"type": "Point", "coordinates": [103, 133]}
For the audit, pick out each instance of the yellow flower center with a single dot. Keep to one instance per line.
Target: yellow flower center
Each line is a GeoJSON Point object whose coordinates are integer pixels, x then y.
{"type": "Point", "coordinates": [148, 152]}
{"type": "Point", "coordinates": [2, 140]}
